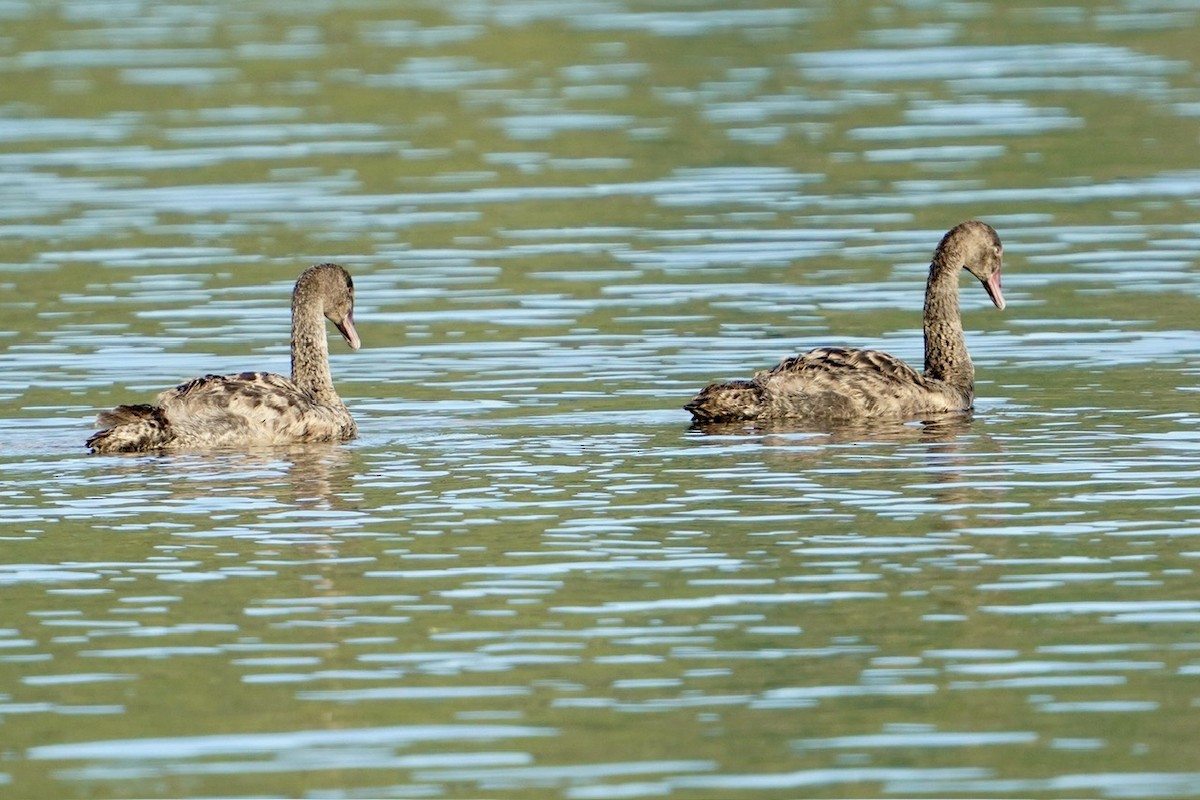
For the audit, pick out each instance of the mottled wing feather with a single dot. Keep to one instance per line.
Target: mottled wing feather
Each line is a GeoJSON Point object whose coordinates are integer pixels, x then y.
{"type": "Point", "coordinates": [130, 427]}
{"type": "Point", "coordinates": [845, 366]}
{"type": "Point", "coordinates": [249, 406]}
{"type": "Point", "coordinates": [837, 382]}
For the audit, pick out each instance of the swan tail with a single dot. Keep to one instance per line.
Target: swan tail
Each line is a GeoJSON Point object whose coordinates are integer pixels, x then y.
{"type": "Point", "coordinates": [128, 429]}
{"type": "Point", "coordinates": [734, 400]}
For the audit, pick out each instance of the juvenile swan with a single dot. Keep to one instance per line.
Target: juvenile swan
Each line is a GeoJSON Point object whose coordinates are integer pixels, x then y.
{"type": "Point", "coordinates": [253, 408]}
{"type": "Point", "coordinates": [833, 383]}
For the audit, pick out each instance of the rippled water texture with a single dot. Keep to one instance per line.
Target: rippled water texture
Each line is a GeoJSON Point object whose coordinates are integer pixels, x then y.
{"type": "Point", "coordinates": [528, 577]}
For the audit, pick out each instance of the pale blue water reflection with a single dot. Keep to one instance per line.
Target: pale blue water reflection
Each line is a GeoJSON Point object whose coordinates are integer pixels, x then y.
{"type": "Point", "coordinates": [529, 577]}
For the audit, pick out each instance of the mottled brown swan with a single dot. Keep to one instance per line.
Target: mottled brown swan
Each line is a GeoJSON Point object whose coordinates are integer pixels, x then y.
{"type": "Point", "coordinates": [833, 383]}
{"type": "Point", "coordinates": [253, 408]}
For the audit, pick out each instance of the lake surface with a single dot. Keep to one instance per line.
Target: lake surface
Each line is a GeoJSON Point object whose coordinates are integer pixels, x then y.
{"type": "Point", "coordinates": [529, 577]}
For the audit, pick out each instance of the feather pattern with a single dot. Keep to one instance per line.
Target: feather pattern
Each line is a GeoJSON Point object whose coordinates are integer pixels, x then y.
{"type": "Point", "coordinates": [253, 408]}
{"type": "Point", "coordinates": [836, 383]}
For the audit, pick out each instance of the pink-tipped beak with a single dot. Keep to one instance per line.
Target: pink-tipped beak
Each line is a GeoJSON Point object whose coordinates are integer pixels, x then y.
{"type": "Point", "coordinates": [992, 285]}
{"type": "Point", "coordinates": [346, 328]}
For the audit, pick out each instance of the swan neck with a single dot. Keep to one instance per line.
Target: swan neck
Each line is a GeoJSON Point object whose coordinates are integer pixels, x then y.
{"type": "Point", "coordinates": [946, 356]}
{"type": "Point", "coordinates": [310, 349]}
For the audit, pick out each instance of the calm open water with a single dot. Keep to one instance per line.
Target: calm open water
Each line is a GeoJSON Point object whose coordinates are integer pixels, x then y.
{"type": "Point", "coordinates": [528, 578]}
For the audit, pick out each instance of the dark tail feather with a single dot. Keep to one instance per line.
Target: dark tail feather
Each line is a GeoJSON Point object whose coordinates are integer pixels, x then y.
{"type": "Point", "coordinates": [130, 429]}
{"type": "Point", "coordinates": [721, 402]}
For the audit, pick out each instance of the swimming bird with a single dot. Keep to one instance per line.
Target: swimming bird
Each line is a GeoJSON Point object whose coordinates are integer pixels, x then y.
{"type": "Point", "coordinates": [253, 408]}
{"type": "Point", "coordinates": [832, 384]}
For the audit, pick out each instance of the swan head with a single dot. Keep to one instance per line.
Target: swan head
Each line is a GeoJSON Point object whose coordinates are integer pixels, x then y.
{"type": "Point", "coordinates": [332, 288]}
{"type": "Point", "coordinates": [977, 249]}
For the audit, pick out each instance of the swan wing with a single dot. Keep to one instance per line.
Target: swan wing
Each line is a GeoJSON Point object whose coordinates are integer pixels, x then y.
{"type": "Point", "coordinates": [842, 382]}
{"type": "Point", "coordinates": [846, 366]}
{"type": "Point", "coordinates": [258, 407]}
